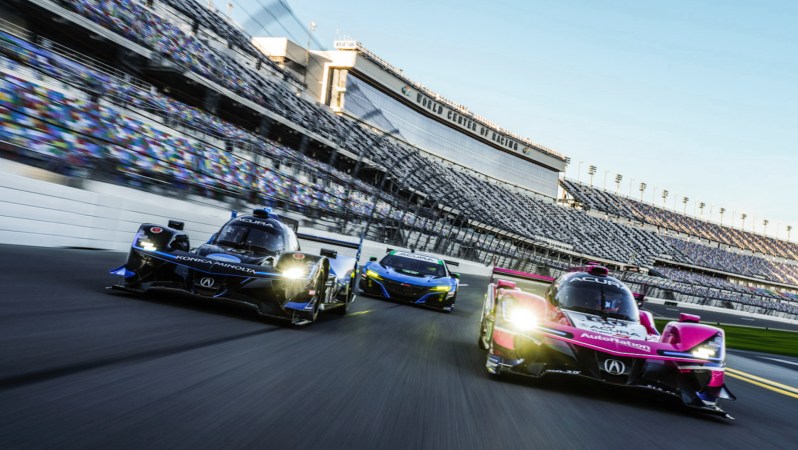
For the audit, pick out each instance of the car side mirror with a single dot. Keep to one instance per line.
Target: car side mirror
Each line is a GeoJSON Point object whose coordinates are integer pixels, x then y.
{"type": "Point", "coordinates": [176, 224]}
{"type": "Point", "coordinates": [373, 258]}
{"type": "Point", "coordinates": [456, 275]}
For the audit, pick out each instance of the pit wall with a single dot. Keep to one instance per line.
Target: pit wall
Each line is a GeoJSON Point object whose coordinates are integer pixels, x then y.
{"type": "Point", "coordinates": [39, 208]}
{"type": "Point", "coordinates": [732, 312]}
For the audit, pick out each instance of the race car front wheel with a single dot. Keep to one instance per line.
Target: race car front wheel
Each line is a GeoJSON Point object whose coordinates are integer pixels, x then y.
{"type": "Point", "coordinates": [485, 331]}
{"type": "Point", "coordinates": [346, 298]}
{"type": "Point", "coordinates": [317, 299]}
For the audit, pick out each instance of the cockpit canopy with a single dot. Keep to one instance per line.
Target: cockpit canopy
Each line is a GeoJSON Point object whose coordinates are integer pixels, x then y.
{"type": "Point", "coordinates": [594, 294]}
{"type": "Point", "coordinates": [260, 235]}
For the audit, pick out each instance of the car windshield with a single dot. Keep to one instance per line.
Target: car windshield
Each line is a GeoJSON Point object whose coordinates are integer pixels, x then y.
{"type": "Point", "coordinates": [250, 237]}
{"type": "Point", "coordinates": [414, 266]}
{"type": "Point", "coordinates": [593, 296]}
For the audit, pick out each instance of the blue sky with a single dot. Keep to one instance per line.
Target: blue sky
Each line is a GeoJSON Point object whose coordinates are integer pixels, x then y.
{"type": "Point", "coordinates": [696, 97]}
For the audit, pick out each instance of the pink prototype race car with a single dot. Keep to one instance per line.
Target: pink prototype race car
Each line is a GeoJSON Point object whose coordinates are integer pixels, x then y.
{"type": "Point", "coordinates": [589, 325]}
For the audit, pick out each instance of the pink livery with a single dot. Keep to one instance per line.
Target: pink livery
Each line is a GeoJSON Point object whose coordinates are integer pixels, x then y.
{"type": "Point", "coordinates": [588, 324]}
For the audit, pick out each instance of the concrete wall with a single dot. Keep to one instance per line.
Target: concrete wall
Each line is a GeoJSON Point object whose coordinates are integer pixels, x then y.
{"type": "Point", "coordinates": [38, 208]}
{"type": "Point", "coordinates": [732, 312]}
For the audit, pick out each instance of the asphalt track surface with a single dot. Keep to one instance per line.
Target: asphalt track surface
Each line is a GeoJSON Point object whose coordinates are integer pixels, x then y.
{"type": "Point", "coordinates": [81, 368]}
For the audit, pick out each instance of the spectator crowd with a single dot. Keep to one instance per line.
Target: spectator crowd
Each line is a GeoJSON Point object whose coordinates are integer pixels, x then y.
{"type": "Point", "coordinates": [59, 111]}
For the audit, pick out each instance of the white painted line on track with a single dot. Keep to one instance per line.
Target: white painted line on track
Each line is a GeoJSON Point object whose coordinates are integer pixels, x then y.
{"type": "Point", "coordinates": [463, 285]}
{"type": "Point", "coordinates": [782, 361]}
{"type": "Point", "coordinates": [672, 309]}
{"type": "Point", "coordinates": [747, 318]}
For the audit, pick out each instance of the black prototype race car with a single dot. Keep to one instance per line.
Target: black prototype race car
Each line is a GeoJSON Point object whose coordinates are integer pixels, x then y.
{"type": "Point", "coordinates": [254, 260]}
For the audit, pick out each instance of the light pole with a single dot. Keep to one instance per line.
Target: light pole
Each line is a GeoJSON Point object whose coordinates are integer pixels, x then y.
{"type": "Point", "coordinates": [722, 212]}
{"type": "Point", "coordinates": [765, 227]}
{"type": "Point", "coordinates": [743, 217]}
{"type": "Point", "coordinates": [643, 187]}
{"type": "Point", "coordinates": [684, 201]}
{"type": "Point", "coordinates": [311, 29]}
{"type": "Point", "coordinates": [664, 197]}
{"type": "Point", "coordinates": [701, 208]}
{"type": "Point", "coordinates": [591, 171]}
{"type": "Point", "coordinates": [579, 171]}
{"type": "Point", "coordinates": [789, 229]}
{"type": "Point", "coordinates": [618, 179]}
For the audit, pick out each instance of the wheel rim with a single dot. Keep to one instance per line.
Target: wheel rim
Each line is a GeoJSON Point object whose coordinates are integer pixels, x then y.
{"type": "Point", "coordinates": [486, 332]}
{"type": "Point", "coordinates": [317, 299]}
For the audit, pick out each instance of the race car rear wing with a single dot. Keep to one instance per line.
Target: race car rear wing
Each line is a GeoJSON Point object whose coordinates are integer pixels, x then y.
{"type": "Point", "coordinates": [500, 271]}
{"type": "Point", "coordinates": [326, 240]}
{"type": "Point", "coordinates": [290, 223]}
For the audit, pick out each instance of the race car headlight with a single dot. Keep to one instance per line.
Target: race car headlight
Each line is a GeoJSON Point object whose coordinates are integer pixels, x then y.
{"type": "Point", "coordinates": [442, 288]}
{"type": "Point", "coordinates": [294, 273]}
{"type": "Point", "coordinates": [147, 245]}
{"type": "Point", "coordinates": [710, 349]}
{"type": "Point", "coordinates": [522, 318]}
{"type": "Point", "coordinates": [372, 274]}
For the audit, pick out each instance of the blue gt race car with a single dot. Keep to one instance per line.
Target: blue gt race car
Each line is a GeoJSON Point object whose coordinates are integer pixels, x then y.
{"type": "Point", "coordinates": [411, 277]}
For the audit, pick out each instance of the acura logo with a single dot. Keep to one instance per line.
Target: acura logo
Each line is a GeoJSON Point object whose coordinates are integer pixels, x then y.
{"type": "Point", "coordinates": [207, 282]}
{"type": "Point", "coordinates": [614, 367]}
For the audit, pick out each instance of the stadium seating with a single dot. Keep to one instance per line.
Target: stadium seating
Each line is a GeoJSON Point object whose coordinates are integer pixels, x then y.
{"type": "Point", "coordinates": [620, 206]}
{"type": "Point", "coordinates": [145, 135]}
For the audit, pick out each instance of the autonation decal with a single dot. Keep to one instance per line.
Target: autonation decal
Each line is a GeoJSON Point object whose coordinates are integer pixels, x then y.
{"type": "Point", "coordinates": [624, 342]}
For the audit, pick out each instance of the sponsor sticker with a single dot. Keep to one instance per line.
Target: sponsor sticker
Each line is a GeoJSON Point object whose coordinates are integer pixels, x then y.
{"type": "Point", "coordinates": [417, 257]}
{"type": "Point", "coordinates": [215, 263]}
{"type": "Point", "coordinates": [624, 342]}
{"type": "Point", "coordinates": [254, 222]}
{"type": "Point", "coordinates": [567, 372]}
{"type": "Point", "coordinates": [614, 366]}
{"type": "Point", "coordinates": [597, 280]}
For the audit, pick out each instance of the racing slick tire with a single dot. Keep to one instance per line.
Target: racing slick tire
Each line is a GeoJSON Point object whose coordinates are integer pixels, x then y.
{"type": "Point", "coordinates": [348, 299]}
{"type": "Point", "coordinates": [484, 333]}
{"type": "Point", "coordinates": [321, 293]}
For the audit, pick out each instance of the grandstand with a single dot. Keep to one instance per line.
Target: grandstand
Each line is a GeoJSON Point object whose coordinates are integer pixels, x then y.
{"type": "Point", "coordinates": [166, 95]}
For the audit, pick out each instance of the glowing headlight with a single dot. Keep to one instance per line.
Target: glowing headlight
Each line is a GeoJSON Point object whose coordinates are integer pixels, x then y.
{"type": "Point", "coordinates": [372, 274]}
{"type": "Point", "coordinates": [294, 273]}
{"type": "Point", "coordinates": [147, 245]}
{"type": "Point", "coordinates": [704, 353]}
{"type": "Point", "coordinates": [442, 288]}
{"type": "Point", "coordinates": [709, 349]}
{"type": "Point", "coordinates": [523, 318]}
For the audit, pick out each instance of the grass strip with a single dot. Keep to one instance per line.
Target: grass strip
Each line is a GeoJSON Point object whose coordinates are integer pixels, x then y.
{"type": "Point", "coordinates": [778, 342]}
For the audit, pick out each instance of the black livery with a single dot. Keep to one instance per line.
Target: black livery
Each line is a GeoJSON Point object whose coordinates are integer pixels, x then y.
{"type": "Point", "coordinates": [253, 259]}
